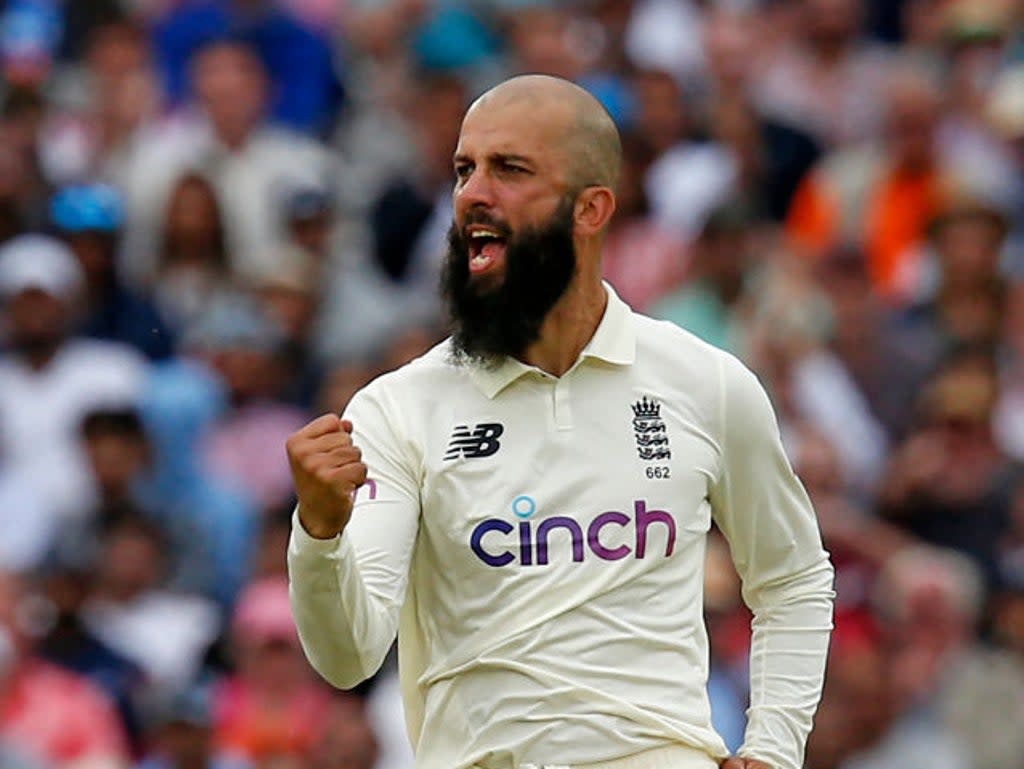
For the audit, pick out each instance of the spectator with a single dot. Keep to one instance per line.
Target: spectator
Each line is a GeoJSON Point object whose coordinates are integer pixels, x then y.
{"type": "Point", "coordinates": [689, 176]}
{"type": "Point", "coordinates": [889, 360]}
{"type": "Point", "coordinates": [975, 37]}
{"type": "Point", "coordinates": [966, 305]}
{"type": "Point", "coordinates": [310, 213]}
{"type": "Point", "coordinates": [856, 708]}
{"type": "Point", "coordinates": [541, 39]}
{"type": "Point", "coordinates": [643, 260]}
{"type": "Point", "coordinates": [388, 280]}
{"type": "Point", "coordinates": [772, 152]}
{"type": "Point", "coordinates": [881, 198]}
{"type": "Point", "coordinates": [179, 727]}
{"type": "Point", "coordinates": [249, 161]}
{"type": "Point", "coordinates": [829, 79]}
{"type": "Point", "coordinates": [305, 90]}
{"type": "Point", "coordinates": [984, 700]}
{"type": "Point", "coordinates": [23, 184]}
{"type": "Point", "coordinates": [32, 31]}
{"type": "Point", "coordinates": [244, 347]}
{"type": "Point", "coordinates": [81, 22]}
{"type": "Point", "coordinates": [50, 379]}
{"type": "Point", "coordinates": [949, 484]}
{"type": "Point", "coordinates": [272, 706]}
{"type": "Point", "coordinates": [119, 454]}
{"type": "Point", "coordinates": [46, 713]}
{"type": "Point", "coordinates": [193, 266]}
{"type": "Point", "coordinates": [88, 218]}
{"type": "Point", "coordinates": [66, 582]}
{"type": "Point", "coordinates": [711, 301]}
{"type": "Point", "coordinates": [665, 35]}
{"type": "Point", "coordinates": [122, 461]}
{"type": "Point", "coordinates": [165, 633]}
{"type": "Point", "coordinates": [859, 543]}
{"type": "Point", "coordinates": [790, 327]}
{"type": "Point", "coordinates": [927, 603]}
{"type": "Point", "coordinates": [348, 741]}
{"type": "Point", "coordinates": [101, 109]}
{"type": "Point", "coordinates": [181, 402]}
{"type": "Point", "coordinates": [291, 297]}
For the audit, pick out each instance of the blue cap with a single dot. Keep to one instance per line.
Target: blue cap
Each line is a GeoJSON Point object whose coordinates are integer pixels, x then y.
{"type": "Point", "coordinates": [87, 207]}
{"type": "Point", "coordinates": [29, 30]}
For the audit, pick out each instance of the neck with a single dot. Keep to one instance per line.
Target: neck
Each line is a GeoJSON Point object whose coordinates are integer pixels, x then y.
{"type": "Point", "coordinates": [234, 137]}
{"type": "Point", "coordinates": [829, 51]}
{"type": "Point", "coordinates": [569, 326]}
{"type": "Point", "coordinates": [39, 356]}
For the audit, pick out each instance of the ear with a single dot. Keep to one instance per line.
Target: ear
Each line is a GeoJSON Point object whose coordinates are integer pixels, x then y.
{"type": "Point", "coordinates": [593, 210]}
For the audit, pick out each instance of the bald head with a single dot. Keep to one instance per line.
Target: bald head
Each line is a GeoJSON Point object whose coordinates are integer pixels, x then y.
{"type": "Point", "coordinates": [586, 131]}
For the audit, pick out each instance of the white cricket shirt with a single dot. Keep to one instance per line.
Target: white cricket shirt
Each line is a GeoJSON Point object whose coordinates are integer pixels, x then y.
{"type": "Point", "coordinates": [538, 544]}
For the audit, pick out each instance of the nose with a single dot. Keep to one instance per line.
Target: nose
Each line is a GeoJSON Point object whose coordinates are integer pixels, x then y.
{"type": "Point", "coordinates": [474, 191]}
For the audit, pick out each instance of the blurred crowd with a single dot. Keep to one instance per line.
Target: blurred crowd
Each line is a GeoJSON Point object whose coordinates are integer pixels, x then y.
{"type": "Point", "coordinates": [219, 218]}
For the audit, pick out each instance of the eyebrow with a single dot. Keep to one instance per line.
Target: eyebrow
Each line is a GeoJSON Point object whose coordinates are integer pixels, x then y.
{"type": "Point", "coordinates": [503, 157]}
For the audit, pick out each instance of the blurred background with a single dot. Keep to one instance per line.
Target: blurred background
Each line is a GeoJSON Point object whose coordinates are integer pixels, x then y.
{"type": "Point", "coordinates": [219, 218]}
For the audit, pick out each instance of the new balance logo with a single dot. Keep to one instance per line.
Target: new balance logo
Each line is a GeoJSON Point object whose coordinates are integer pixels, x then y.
{"type": "Point", "coordinates": [481, 441]}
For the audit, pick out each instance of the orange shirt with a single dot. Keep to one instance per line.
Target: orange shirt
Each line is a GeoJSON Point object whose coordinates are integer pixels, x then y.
{"type": "Point", "coordinates": [60, 718]}
{"type": "Point", "coordinates": [250, 726]}
{"type": "Point", "coordinates": [894, 216]}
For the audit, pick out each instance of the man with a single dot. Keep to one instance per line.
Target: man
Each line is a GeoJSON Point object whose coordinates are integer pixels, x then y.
{"type": "Point", "coordinates": [50, 378]}
{"type": "Point", "coordinates": [88, 218]}
{"type": "Point", "coordinates": [228, 135]}
{"type": "Point", "coordinates": [49, 716]}
{"type": "Point", "coordinates": [534, 494]}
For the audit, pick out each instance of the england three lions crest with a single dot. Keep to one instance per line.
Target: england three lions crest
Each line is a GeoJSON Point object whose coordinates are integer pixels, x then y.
{"type": "Point", "coordinates": [649, 429]}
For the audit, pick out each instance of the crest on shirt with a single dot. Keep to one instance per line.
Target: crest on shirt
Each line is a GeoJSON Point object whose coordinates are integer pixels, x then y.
{"type": "Point", "coordinates": [649, 430]}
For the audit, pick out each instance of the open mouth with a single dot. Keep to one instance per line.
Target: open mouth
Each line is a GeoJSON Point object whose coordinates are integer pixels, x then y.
{"type": "Point", "coordinates": [486, 248]}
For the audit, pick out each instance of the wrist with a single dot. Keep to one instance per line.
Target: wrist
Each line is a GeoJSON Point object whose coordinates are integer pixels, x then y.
{"type": "Point", "coordinates": [319, 529]}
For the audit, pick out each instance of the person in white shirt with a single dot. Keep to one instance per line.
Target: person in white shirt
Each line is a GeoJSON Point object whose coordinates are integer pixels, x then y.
{"type": "Point", "coordinates": [527, 504]}
{"type": "Point", "coordinates": [50, 379]}
{"type": "Point", "coordinates": [228, 139]}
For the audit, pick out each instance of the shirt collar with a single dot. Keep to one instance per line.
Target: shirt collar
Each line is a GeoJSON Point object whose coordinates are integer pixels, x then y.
{"type": "Point", "coordinates": [613, 342]}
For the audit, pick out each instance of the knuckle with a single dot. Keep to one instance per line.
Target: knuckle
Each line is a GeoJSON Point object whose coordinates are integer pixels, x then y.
{"type": "Point", "coordinates": [318, 466]}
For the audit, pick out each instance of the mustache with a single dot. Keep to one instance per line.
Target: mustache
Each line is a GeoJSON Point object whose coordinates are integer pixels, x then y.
{"type": "Point", "coordinates": [479, 216]}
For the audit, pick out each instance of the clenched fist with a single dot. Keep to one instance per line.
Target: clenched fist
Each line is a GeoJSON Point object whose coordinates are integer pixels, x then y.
{"type": "Point", "coordinates": [735, 762]}
{"type": "Point", "coordinates": [327, 468]}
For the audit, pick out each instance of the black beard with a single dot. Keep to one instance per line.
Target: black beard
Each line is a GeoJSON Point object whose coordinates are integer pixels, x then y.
{"type": "Point", "coordinates": [491, 321]}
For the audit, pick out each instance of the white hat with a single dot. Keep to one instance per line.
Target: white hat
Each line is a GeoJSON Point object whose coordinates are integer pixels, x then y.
{"type": "Point", "coordinates": [41, 262]}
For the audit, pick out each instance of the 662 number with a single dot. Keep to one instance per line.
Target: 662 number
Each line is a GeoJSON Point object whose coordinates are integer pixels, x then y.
{"type": "Point", "coordinates": [657, 472]}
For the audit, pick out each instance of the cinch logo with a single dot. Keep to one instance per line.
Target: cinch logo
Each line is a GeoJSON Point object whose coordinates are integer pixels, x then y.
{"type": "Point", "coordinates": [481, 442]}
{"type": "Point", "coordinates": [491, 543]}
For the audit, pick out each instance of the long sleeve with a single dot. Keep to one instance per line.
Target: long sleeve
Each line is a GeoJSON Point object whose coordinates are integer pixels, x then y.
{"type": "Point", "coordinates": [764, 512]}
{"type": "Point", "coordinates": [347, 592]}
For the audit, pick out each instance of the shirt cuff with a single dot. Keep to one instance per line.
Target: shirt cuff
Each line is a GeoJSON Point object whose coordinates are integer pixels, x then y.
{"type": "Point", "coordinates": [303, 544]}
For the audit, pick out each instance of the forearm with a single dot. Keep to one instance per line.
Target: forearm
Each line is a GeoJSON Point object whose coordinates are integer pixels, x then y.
{"type": "Point", "coordinates": [345, 626]}
{"type": "Point", "coordinates": [791, 628]}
